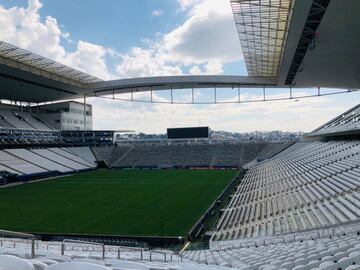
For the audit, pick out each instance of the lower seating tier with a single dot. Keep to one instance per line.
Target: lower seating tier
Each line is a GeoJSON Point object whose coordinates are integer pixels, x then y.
{"type": "Point", "coordinates": [301, 188]}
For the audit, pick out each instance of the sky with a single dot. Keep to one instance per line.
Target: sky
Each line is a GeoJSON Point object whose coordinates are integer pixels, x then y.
{"type": "Point", "coordinates": [114, 39]}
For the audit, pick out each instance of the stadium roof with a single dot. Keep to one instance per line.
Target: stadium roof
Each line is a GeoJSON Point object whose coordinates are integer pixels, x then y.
{"type": "Point", "coordinates": [347, 123]}
{"type": "Point", "coordinates": [177, 82]}
{"type": "Point", "coordinates": [302, 43]}
{"type": "Point", "coordinates": [28, 77]}
{"type": "Point", "coordinates": [26, 60]}
{"type": "Point", "coordinates": [298, 43]}
{"type": "Point", "coordinates": [262, 27]}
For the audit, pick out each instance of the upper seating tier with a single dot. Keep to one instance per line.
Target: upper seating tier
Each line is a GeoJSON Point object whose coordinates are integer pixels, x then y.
{"type": "Point", "coordinates": [21, 120]}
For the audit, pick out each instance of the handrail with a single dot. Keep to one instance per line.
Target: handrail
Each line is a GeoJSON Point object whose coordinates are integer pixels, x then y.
{"type": "Point", "coordinates": [158, 252]}
{"type": "Point", "coordinates": [177, 254]}
{"type": "Point", "coordinates": [132, 248]}
{"type": "Point", "coordinates": [82, 242]}
{"type": "Point", "coordinates": [22, 235]}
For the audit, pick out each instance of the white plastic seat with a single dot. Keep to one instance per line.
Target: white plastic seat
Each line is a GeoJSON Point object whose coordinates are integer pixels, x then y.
{"type": "Point", "coordinates": [76, 266]}
{"type": "Point", "coordinates": [47, 261]}
{"type": "Point", "coordinates": [59, 258]}
{"type": "Point", "coordinates": [88, 260]}
{"type": "Point", "coordinates": [327, 266]}
{"type": "Point", "coordinates": [9, 262]}
{"type": "Point", "coordinates": [353, 267]}
{"type": "Point", "coordinates": [344, 262]}
{"type": "Point", "coordinates": [38, 265]}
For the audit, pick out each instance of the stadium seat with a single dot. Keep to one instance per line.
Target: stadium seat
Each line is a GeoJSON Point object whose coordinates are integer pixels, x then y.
{"type": "Point", "coordinates": [127, 265]}
{"type": "Point", "coordinates": [9, 262]}
{"type": "Point", "coordinates": [38, 265]}
{"type": "Point", "coordinates": [76, 266]}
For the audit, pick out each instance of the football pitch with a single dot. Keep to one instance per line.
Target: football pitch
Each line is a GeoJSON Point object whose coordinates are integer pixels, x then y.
{"type": "Point", "coordinates": [139, 202]}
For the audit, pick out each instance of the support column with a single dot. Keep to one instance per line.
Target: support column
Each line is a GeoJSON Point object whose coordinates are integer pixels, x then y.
{"type": "Point", "coordinates": [84, 112]}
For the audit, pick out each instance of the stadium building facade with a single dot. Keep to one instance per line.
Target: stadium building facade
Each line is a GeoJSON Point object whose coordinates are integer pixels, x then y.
{"type": "Point", "coordinates": [66, 115]}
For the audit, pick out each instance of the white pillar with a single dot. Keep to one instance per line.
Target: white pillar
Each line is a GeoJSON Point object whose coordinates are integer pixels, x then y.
{"type": "Point", "coordinates": [84, 112]}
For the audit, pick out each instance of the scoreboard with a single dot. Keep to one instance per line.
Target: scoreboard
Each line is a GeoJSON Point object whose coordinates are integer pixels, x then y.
{"type": "Point", "coordinates": [188, 133]}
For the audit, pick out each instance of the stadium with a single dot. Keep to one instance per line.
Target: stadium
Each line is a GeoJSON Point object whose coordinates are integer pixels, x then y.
{"type": "Point", "coordinates": [73, 197]}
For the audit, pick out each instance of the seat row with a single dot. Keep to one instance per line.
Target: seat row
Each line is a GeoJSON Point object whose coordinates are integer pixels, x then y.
{"type": "Point", "coordinates": [217, 155]}
{"type": "Point", "coordinates": [27, 162]}
{"type": "Point", "coordinates": [314, 185]}
{"type": "Point", "coordinates": [336, 251]}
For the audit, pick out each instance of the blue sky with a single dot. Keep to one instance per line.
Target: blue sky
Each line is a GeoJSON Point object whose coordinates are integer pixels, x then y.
{"type": "Point", "coordinates": [133, 38]}
{"type": "Point", "coordinates": [117, 24]}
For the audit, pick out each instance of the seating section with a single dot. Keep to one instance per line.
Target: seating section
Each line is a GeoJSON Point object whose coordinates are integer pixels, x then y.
{"type": "Point", "coordinates": [29, 137]}
{"type": "Point", "coordinates": [205, 155]}
{"type": "Point", "coordinates": [9, 170]}
{"type": "Point", "coordinates": [235, 155]}
{"type": "Point", "coordinates": [314, 185]}
{"type": "Point", "coordinates": [83, 152]}
{"type": "Point", "coordinates": [4, 123]}
{"type": "Point", "coordinates": [15, 254]}
{"type": "Point", "coordinates": [70, 156]}
{"type": "Point", "coordinates": [344, 123]}
{"type": "Point", "coordinates": [14, 120]}
{"type": "Point", "coordinates": [269, 151]}
{"type": "Point", "coordinates": [62, 160]}
{"type": "Point", "coordinates": [37, 159]}
{"type": "Point", "coordinates": [273, 149]}
{"type": "Point", "coordinates": [337, 250]}
{"type": "Point", "coordinates": [104, 153]}
{"type": "Point", "coordinates": [165, 156]}
{"type": "Point", "coordinates": [21, 120]}
{"type": "Point", "coordinates": [17, 127]}
{"type": "Point", "coordinates": [331, 249]}
{"type": "Point", "coordinates": [295, 146]}
{"type": "Point", "coordinates": [33, 121]}
{"type": "Point", "coordinates": [18, 165]}
{"type": "Point", "coordinates": [28, 162]}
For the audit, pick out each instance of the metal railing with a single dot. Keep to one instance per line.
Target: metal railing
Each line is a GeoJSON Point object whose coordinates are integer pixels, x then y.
{"type": "Point", "coordinates": [132, 249]}
{"type": "Point", "coordinates": [5, 233]}
{"type": "Point", "coordinates": [157, 252]}
{"type": "Point", "coordinates": [176, 254]}
{"type": "Point", "coordinates": [21, 235]}
{"type": "Point", "coordinates": [63, 245]}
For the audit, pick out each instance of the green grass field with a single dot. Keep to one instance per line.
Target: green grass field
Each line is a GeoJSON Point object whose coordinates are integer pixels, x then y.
{"type": "Point", "coordinates": [113, 202]}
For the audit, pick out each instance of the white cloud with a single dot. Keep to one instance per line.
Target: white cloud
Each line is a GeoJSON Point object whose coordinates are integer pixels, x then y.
{"type": "Point", "coordinates": [141, 62]}
{"type": "Point", "coordinates": [66, 36]}
{"type": "Point", "coordinates": [23, 27]}
{"type": "Point", "coordinates": [156, 12]}
{"type": "Point", "coordinates": [89, 58]}
{"type": "Point", "coordinates": [209, 34]}
{"type": "Point", "coordinates": [188, 3]}
{"type": "Point", "coordinates": [207, 37]}
{"type": "Point", "coordinates": [214, 67]}
{"type": "Point", "coordinates": [195, 70]}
